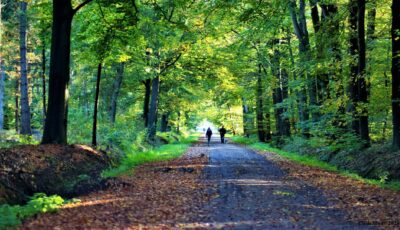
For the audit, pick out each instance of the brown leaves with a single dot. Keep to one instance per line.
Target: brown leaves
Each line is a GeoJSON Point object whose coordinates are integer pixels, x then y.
{"type": "Point", "coordinates": [363, 203]}
{"type": "Point", "coordinates": [150, 198]}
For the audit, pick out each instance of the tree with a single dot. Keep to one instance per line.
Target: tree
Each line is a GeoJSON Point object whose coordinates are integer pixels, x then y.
{"type": "Point", "coordinates": [116, 90]}
{"type": "Point", "coordinates": [2, 74]}
{"type": "Point", "coordinates": [55, 128]}
{"type": "Point", "coordinates": [396, 72]}
{"type": "Point", "coordinates": [25, 108]}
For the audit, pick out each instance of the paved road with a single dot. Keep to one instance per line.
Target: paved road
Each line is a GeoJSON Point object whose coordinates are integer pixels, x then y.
{"type": "Point", "coordinates": [252, 193]}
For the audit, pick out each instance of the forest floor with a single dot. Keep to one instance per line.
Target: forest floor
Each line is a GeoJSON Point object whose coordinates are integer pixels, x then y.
{"type": "Point", "coordinates": [228, 186]}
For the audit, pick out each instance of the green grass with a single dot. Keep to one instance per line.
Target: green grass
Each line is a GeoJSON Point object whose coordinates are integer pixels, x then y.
{"type": "Point", "coordinates": [162, 153]}
{"type": "Point", "coordinates": [313, 162]}
{"type": "Point", "coordinates": [12, 216]}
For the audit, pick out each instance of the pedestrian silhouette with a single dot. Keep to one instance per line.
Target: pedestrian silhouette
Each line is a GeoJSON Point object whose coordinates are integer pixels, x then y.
{"type": "Point", "coordinates": [222, 132]}
{"type": "Point", "coordinates": [208, 135]}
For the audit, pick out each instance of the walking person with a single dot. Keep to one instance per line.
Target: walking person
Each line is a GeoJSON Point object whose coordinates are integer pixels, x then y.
{"type": "Point", "coordinates": [222, 132]}
{"type": "Point", "coordinates": [208, 135]}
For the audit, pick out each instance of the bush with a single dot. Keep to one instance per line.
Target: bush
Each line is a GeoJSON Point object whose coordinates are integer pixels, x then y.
{"type": "Point", "coordinates": [11, 216]}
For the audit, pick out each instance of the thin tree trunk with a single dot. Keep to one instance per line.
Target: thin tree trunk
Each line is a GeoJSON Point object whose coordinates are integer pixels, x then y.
{"type": "Point", "coordinates": [164, 122]}
{"type": "Point", "coordinates": [17, 106]}
{"type": "Point", "coordinates": [152, 118]}
{"type": "Point", "coordinates": [2, 73]}
{"type": "Point", "coordinates": [146, 103]}
{"type": "Point", "coordinates": [246, 120]}
{"type": "Point", "coordinates": [362, 83]}
{"type": "Point", "coordinates": [260, 107]}
{"type": "Point", "coordinates": [116, 90]}
{"type": "Point", "coordinates": [2, 92]}
{"type": "Point", "coordinates": [44, 79]}
{"type": "Point", "coordinates": [96, 103]}
{"type": "Point", "coordinates": [25, 108]}
{"type": "Point", "coordinates": [396, 72]}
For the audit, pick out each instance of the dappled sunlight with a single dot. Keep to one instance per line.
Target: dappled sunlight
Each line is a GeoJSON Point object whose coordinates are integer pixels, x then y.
{"type": "Point", "coordinates": [253, 182]}
{"type": "Point", "coordinates": [92, 203]}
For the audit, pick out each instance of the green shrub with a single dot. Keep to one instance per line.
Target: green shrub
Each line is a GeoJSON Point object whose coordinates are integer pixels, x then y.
{"type": "Point", "coordinates": [11, 216]}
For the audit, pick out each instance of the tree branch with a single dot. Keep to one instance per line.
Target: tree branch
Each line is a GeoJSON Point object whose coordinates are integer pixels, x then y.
{"type": "Point", "coordinates": [81, 5]}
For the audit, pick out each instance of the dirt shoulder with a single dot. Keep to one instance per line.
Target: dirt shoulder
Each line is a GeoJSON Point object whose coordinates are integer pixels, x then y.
{"type": "Point", "coordinates": [363, 203]}
{"type": "Point", "coordinates": [158, 195]}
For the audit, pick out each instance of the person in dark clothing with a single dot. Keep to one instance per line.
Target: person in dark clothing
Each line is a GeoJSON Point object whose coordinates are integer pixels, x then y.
{"type": "Point", "coordinates": [208, 135]}
{"type": "Point", "coordinates": [222, 132]}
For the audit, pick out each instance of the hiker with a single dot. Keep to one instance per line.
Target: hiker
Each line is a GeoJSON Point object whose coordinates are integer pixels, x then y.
{"type": "Point", "coordinates": [208, 135]}
{"type": "Point", "coordinates": [222, 132]}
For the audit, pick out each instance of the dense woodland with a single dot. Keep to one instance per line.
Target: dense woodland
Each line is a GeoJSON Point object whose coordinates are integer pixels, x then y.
{"type": "Point", "coordinates": [321, 76]}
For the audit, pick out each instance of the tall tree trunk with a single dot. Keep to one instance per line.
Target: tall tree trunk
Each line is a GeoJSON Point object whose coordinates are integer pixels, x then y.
{"type": "Point", "coordinates": [25, 108]}
{"type": "Point", "coordinates": [396, 72]}
{"type": "Point", "coordinates": [2, 73]}
{"type": "Point", "coordinates": [55, 128]}
{"type": "Point", "coordinates": [370, 37]}
{"type": "Point", "coordinates": [260, 107]}
{"type": "Point", "coordinates": [353, 49]}
{"type": "Point", "coordinates": [280, 92]}
{"type": "Point", "coordinates": [146, 102]}
{"type": "Point", "coordinates": [301, 95]}
{"type": "Point", "coordinates": [152, 118]}
{"type": "Point", "coordinates": [44, 79]}
{"type": "Point", "coordinates": [17, 106]}
{"type": "Point", "coordinates": [362, 83]}
{"type": "Point", "coordinates": [116, 90]}
{"type": "Point", "coordinates": [96, 103]}
{"type": "Point", "coordinates": [300, 28]}
{"type": "Point", "coordinates": [2, 88]}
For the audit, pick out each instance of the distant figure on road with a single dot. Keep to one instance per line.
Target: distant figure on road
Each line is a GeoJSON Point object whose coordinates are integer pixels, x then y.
{"type": "Point", "coordinates": [222, 132]}
{"type": "Point", "coordinates": [208, 135]}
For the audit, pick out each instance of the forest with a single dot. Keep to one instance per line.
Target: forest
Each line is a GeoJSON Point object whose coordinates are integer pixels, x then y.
{"type": "Point", "coordinates": [318, 78]}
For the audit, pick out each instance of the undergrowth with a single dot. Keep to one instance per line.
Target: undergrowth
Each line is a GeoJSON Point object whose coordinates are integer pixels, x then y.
{"type": "Point", "coordinates": [13, 215]}
{"type": "Point", "coordinates": [134, 158]}
{"type": "Point", "coordinates": [313, 161]}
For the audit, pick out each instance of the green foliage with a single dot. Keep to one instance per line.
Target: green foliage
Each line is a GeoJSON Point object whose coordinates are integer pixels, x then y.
{"type": "Point", "coordinates": [162, 153]}
{"type": "Point", "coordinates": [11, 216]}
{"type": "Point", "coordinates": [10, 139]}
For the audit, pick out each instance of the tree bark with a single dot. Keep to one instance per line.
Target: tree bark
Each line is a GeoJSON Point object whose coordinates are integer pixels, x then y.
{"type": "Point", "coordinates": [152, 118]}
{"type": "Point", "coordinates": [2, 92]}
{"type": "Point", "coordinates": [146, 102]}
{"type": "Point", "coordinates": [362, 83]}
{"type": "Point", "coordinates": [96, 103]}
{"type": "Point", "coordinates": [17, 106]}
{"type": "Point", "coordinates": [247, 121]}
{"type": "Point", "coordinates": [260, 107]}
{"type": "Point", "coordinates": [116, 90]}
{"type": "Point", "coordinates": [164, 122]}
{"type": "Point", "coordinates": [280, 93]}
{"type": "Point", "coordinates": [353, 49]}
{"type": "Point", "coordinates": [44, 79]}
{"type": "Point", "coordinates": [300, 28]}
{"type": "Point", "coordinates": [55, 128]}
{"type": "Point", "coordinates": [2, 73]}
{"type": "Point", "coordinates": [396, 72]}
{"type": "Point", "coordinates": [24, 88]}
